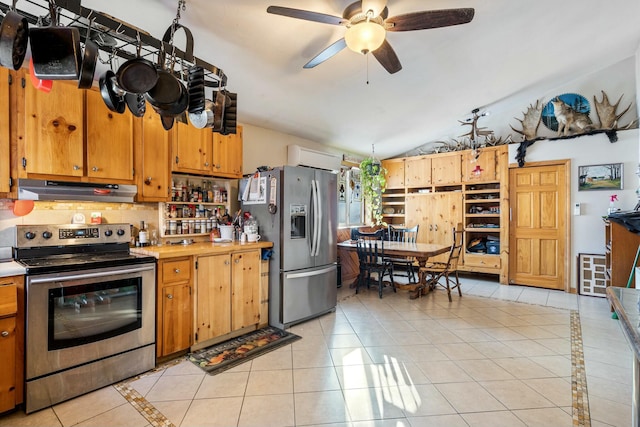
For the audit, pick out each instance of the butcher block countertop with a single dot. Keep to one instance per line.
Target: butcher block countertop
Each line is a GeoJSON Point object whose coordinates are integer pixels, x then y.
{"type": "Point", "coordinates": [199, 248]}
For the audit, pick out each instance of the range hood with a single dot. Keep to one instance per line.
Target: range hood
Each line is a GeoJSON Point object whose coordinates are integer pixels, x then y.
{"type": "Point", "coordinates": [45, 189]}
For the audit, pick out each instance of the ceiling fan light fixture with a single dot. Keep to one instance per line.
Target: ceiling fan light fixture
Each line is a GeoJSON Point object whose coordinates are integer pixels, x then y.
{"type": "Point", "coordinates": [365, 37]}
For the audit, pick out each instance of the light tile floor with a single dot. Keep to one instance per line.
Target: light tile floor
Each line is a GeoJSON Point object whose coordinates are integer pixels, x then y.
{"type": "Point", "coordinates": [498, 356]}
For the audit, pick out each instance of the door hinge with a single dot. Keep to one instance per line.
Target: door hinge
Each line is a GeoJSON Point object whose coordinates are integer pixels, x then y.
{"type": "Point", "coordinates": [133, 172]}
{"type": "Point", "coordinates": [196, 265]}
{"type": "Point", "coordinates": [24, 163]}
{"type": "Point", "coordinates": [10, 182]}
{"type": "Point", "coordinates": [196, 337]}
{"type": "Point", "coordinates": [10, 79]}
{"type": "Point", "coordinates": [177, 160]}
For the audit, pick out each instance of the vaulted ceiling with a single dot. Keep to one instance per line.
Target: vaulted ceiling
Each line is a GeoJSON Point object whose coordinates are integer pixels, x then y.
{"type": "Point", "coordinates": [509, 47]}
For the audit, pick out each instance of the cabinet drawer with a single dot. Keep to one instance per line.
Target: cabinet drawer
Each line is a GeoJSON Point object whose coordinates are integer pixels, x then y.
{"type": "Point", "coordinates": [8, 300]}
{"type": "Point", "coordinates": [176, 270]}
{"type": "Point", "coordinates": [482, 260]}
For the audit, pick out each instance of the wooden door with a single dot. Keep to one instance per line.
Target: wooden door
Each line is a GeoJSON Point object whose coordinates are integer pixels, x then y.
{"type": "Point", "coordinates": [192, 149]}
{"type": "Point", "coordinates": [227, 154]}
{"type": "Point", "coordinates": [109, 140]}
{"type": "Point", "coordinates": [176, 318]}
{"type": "Point", "coordinates": [446, 168]}
{"type": "Point", "coordinates": [153, 152]}
{"type": "Point", "coordinates": [395, 173]}
{"type": "Point", "coordinates": [245, 297]}
{"type": "Point", "coordinates": [54, 130]}
{"type": "Point", "coordinates": [417, 172]}
{"type": "Point", "coordinates": [538, 231]}
{"type": "Point", "coordinates": [213, 298]}
{"type": "Point", "coordinates": [5, 139]}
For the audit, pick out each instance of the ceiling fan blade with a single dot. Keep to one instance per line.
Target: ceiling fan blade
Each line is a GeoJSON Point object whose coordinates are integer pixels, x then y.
{"type": "Point", "coordinates": [327, 53]}
{"type": "Point", "coordinates": [430, 19]}
{"type": "Point", "coordinates": [387, 57]}
{"type": "Point", "coordinates": [306, 15]}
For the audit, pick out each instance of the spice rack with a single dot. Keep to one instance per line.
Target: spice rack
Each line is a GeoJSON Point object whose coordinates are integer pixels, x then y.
{"type": "Point", "coordinates": [196, 205]}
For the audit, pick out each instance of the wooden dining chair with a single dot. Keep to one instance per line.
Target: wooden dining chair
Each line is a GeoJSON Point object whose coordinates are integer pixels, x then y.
{"type": "Point", "coordinates": [372, 260]}
{"type": "Point", "coordinates": [445, 274]}
{"type": "Point", "coordinates": [405, 266]}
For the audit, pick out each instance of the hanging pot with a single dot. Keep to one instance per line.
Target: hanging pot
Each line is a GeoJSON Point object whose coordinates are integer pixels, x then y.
{"type": "Point", "coordinates": [14, 37]}
{"type": "Point", "coordinates": [40, 84]}
{"type": "Point", "coordinates": [113, 98]}
{"type": "Point", "coordinates": [89, 61]}
{"type": "Point", "coordinates": [136, 104]}
{"type": "Point", "coordinates": [169, 96]}
{"type": "Point", "coordinates": [137, 75]}
{"type": "Point", "coordinates": [167, 122]}
{"type": "Point", "coordinates": [55, 50]}
{"type": "Point", "coordinates": [218, 110]}
{"type": "Point", "coordinates": [203, 119]}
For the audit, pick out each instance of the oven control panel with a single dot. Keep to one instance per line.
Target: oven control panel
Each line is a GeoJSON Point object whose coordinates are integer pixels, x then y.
{"type": "Point", "coordinates": [28, 236]}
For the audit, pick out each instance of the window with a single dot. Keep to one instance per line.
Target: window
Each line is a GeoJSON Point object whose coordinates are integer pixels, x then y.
{"type": "Point", "coordinates": [350, 203]}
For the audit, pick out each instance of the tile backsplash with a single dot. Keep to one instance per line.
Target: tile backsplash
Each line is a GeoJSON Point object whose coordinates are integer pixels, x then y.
{"type": "Point", "coordinates": [63, 212]}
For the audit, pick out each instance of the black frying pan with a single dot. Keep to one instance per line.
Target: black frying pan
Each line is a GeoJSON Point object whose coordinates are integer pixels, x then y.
{"type": "Point", "coordinates": [137, 75]}
{"type": "Point", "coordinates": [89, 61]}
{"type": "Point", "coordinates": [14, 37]}
{"type": "Point", "coordinates": [112, 100]}
{"type": "Point", "coordinates": [136, 104]}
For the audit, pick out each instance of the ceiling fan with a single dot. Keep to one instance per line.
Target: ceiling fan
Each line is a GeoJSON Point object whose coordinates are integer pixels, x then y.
{"type": "Point", "coordinates": [367, 23]}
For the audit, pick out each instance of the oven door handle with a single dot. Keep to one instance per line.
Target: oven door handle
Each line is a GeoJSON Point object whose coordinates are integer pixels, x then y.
{"type": "Point", "coordinates": [90, 275]}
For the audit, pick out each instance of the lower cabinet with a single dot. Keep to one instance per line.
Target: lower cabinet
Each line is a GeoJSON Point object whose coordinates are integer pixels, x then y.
{"type": "Point", "coordinates": [11, 342]}
{"type": "Point", "coordinates": [174, 306]}
{"type": "Point", "coordinates": [228, 294]}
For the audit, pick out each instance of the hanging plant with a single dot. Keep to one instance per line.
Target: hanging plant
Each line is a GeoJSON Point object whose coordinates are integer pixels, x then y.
{"type": "Point", "coordinates": [374, 182]}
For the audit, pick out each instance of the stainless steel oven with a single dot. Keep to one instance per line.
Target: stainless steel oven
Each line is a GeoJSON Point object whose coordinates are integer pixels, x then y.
{"type": "Point", "coordinates": [90, 310]}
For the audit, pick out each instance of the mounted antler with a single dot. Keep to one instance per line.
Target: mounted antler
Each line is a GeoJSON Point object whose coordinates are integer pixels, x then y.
{"type": "Point", "coordinates": [607, 113]}
{"type": "Point", "coordinates": [530, 122]}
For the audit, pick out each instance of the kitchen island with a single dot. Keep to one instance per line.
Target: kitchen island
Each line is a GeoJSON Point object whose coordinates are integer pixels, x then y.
{"type": "Point", "coordinates": [626, 303]}
{"type": "Point", "coordinates": [208, 293]}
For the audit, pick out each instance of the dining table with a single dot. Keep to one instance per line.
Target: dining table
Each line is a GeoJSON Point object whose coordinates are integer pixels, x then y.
{"type": "Point", "coordinates": [420, 251]}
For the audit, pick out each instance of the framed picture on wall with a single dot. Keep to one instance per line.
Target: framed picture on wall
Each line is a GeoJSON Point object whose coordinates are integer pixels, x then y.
{"type": "Point", "coordinates": [607, 176]}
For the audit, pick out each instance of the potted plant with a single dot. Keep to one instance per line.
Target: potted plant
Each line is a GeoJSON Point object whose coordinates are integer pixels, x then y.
{"type": "Point", "coordinates": [373, 181]}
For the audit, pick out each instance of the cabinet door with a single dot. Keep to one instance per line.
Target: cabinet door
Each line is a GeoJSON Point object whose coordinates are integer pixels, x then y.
{"type": "Point", "coordinates": [446, 169]}
{"type": "Point", "coordinates": [176, 318]}
{"type": "Point", "coordinates": [192, 149]}
{"type": "Point", "coordinates": [417, 212]}
{"type": "Point", "coordinates": [8, 362]}
{"type": "Point", "coordinates": [153, 146]}
{"type": "Point", "coordinates": [213, 298]}
{"type": "Point", "coordinates": [109, 140]}
{"type": "Point", "coordinates": [5, 142]}
{"type": "Point", "coordinates": [227, 154]}
{"type": "Point", "coordinates": [395, 173]}
{"type": "Point", "coordinates": [245, 297]}
{"type": "Point", "coordinates": [54, 130]}
{"type": "Point", "coordinates": [486, 160]}
{"type": "Point", "coordinates": [446, 213]}
{"type": "Point", "coordinates": [417, 172]}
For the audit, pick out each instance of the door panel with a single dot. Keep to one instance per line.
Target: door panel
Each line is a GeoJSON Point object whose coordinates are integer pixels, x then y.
{"type": "Point", "coordinates": [538, 232]}
{"type": "Point", "coordinates": [307, 293]}
{"type": "Point", "coordinates": [296, 237]}
{"type": "Point", "coordinates": [327, 188]}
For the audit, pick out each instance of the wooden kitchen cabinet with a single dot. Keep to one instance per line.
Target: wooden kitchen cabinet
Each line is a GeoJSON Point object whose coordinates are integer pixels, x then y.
{"type": "Point", "coordinates": [446, 168]}
{"type": "Point", "coordinates": [227, 294]}
{"type": "Point", "coordinates": [53, 131]}
{"type": "Point", "coordinates": [417, 171]}
{"type": "Point", "coordinates": [395, 175]}
{"type": "Point", "coordinates": [174, 316]}
{"type": "Point", "coordinates": [109, 140]}
{"type": "Point", "coordinates": [152, 152]}
{"type": "Point", "coordinates": [192, 149]}
{"type": "Point", "coordinates": [11, 342]}
{"type": "Point", "coordinates": [5, 132]}
{"type": "Point", "coordinates": [620, 251]}
{"type": "Point", "coordinates": [227, 154]}
{"type": "Point", "coordinates": [487, 159]}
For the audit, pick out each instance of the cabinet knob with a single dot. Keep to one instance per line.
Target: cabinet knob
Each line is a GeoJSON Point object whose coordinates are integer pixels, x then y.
{"type": "Point", "coordinates": [4, 334]}
{"type": "Point", "coordinates": [76, 167]}
{"type": "Point", "coordinates": [227, 262]}
{"type": "Point", "coordinates": [217, 166]}
{"type": "Point", "coordinates": [436, 227]}
{"type": "Point", "coordinates": [169, 296]}
{"type": "Point", "coordinates": [95, 169]}
{"type": "Point", "coordinates": [237, 260]}
{"type": "Point", "coordinates": [177, 270]}
{"type": "Point", "coordinates": [430, 227]}
{"type": "Point", "coordinates": [147, 180]}
{"type": "Point", "coordinates": [206, 164]}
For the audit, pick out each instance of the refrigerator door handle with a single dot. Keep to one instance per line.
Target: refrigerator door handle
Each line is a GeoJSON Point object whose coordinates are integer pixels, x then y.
{"type": "Point", "coordinates": [318, 228]}
{"type": "Point", "coordinates": [315, 231]}
{"type": "Point", "coordinates": [311, 273]}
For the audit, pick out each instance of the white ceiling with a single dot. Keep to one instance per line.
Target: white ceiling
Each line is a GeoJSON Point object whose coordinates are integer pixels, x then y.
{"type": "Point", "coordinates": [508, 48]}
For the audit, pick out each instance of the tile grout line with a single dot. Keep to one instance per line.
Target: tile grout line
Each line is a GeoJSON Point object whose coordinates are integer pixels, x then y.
{"type": "Point", "coordinates": [581, 415]}
{"type": "Point", "coordinates": [143, 406]}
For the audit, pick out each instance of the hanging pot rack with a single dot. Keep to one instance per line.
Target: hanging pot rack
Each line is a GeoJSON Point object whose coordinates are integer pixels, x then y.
{"type": "Point", "coordinates": [128, 37]}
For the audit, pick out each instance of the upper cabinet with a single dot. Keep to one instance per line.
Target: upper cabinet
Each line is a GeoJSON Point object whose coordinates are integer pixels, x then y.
{"type": "Point", "coordinates": [482, 166]}
{"type": "Point", "coordinates": [446, 168]}
{"type": "Point", "coordinates": [191, 149]}
{"type": "Point", "coordinates": [227, 154]}
{"type": "Point", "coordinates": [417, 171]}
{"type": "Point", "coordinates": [109, 140]}
{"type": "Point", "coordinates": [53, 142]}
{"type": "Point", "coordinates": [395, 173]}
{"type": "Point", "coordinates": [5, 132]}
{"type": "Point", "coordinates": [152, 151]}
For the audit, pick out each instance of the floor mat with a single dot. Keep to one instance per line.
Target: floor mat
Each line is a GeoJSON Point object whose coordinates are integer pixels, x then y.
{"type": "Point", "coordinates": [225, 355]}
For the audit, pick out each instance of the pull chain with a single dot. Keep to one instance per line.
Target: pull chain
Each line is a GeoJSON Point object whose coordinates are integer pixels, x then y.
{"type": "Point", "coordinates": [367, 55]}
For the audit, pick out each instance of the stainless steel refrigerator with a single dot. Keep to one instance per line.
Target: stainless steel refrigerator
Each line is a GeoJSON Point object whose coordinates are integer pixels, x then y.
{"type": "Point", "coordinates": [296, 209]}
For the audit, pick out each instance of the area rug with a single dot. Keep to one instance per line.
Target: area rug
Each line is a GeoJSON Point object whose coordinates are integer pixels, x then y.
{"type": "Point", "coordinates": [225, 355]}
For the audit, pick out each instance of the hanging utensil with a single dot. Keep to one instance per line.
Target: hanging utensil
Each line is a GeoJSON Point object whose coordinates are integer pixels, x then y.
{"type": "Point", "coordinates": [137, 75]}
{"type": "Point", "coordinates": [89, 61]}
{"type": "Point", "coordinates": [14, 37]}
